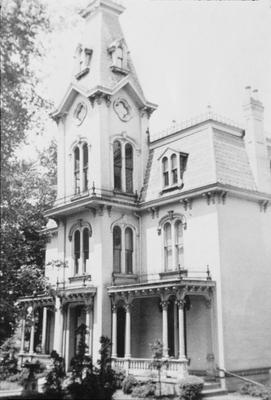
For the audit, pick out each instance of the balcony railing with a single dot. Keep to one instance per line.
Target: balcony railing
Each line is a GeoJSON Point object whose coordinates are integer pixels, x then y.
{"type": "Point", "coordinates": [177, 274]}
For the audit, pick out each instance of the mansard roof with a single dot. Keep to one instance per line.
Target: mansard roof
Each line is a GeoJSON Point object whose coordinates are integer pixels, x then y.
{"type": "Point", "coordinates": [216, 154]}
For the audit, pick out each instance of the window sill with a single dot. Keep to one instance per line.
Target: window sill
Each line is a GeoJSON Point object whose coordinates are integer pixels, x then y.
{"type": "Point", "coordinates": [171, 188]}
{"type": "Point", "coordinates": [82, 73]}
{"type": "Point", "coordinates": [119, 278]}
{"type": "Point", "coordinates": [125, 194]}
{"type": "Point", "coordinates": [177, 273]}
{"type": "Point", "coordinates": [78, 278]}
{"type": "Point", "coordinates": [79, 196]}
{"type": "Point", "coordinates": [122, 71]}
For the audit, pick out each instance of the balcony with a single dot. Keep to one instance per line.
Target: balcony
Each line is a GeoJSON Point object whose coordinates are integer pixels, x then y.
{"type": "Point", "coordinates": [95, 199]}
{"type": "Point", "coordinates": [176, 275]}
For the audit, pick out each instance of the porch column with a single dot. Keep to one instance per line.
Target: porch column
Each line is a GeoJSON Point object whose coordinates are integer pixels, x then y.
{"type": "Point", "coordinates": [181, 304]}
{"type": "Point", "coordinates": [128, 331]}
{"type": "Point", "coordinates": [210, 370]}
{"type": "Point", "coordinates": [67, 336]}
{"type": "Point", "coordinates": [164, 304]}
{"type": "Point", "coordinates": [114, 330]}
{"type": "Point", "coordinates": [58, 334]}
{"type": "Point", "coordinates": [32, 332]}
{"type": "Point", "coordinates": [89, 323]}
{"type": "Point", "coordinates": [22, 334]}
{"type": "Point", "coordinates": [44, 327]}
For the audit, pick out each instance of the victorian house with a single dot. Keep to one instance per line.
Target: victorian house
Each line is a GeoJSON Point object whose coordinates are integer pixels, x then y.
{"type": "Point", "coordinates": [154, 236]}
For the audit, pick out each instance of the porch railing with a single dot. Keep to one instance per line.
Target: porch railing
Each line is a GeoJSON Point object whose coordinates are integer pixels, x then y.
{"type": "Point", "coordinates": [139, 366]}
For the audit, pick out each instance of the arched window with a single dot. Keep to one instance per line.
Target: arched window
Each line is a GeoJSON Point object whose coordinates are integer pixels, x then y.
{"type": "Point", "coordinates": [174, 172]}
{"type": "Point", "coordinates": [117, 165]}
{"type": "Point", "coordinates": [117, 249]}
{"type": "Point", "coordinates": [165, 171]}
{"type": "Point", "coordinates": [168, 246]}
{"type": "Point", "coordinates": [179, 244]}
{"type": "Point", "coordinates": [77, 169]}
{"type": "Point", "coordinates": [85, 167]}
{"type": "Point", "coordinates": [129, 167]}
{"type": "Point", "coordinates": [80, 155]}
{"type": "Point", "coordinates": [129, 248]}
{"type": "Point", "coordinates": [76, 250]}
{"type": "Point", "coordinates": [85, 248]}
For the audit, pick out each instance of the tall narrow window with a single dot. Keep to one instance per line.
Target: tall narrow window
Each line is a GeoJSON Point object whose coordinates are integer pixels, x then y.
{"type": "Point", "coordinates": [117, 249]}
{"type": "Point", "coordinates": [76, 250]}
{"type": "Point", "coordinates": [85, 167]}
{"type": "Point", "coordinates": [119, 57]}
{"type": "Point", "coordinates": [85, 248]}
{"type": "Point", "coordinates": [174, 172]}
{"type": "Point", "coordinates": [179, 244]}
{"type": "Point", "coordinates": [117, 165]}
{"type": "Point", "coordinates": [167, 246]}
{"type": "Point", "coordinates": [129, 250]}
{"type": "Point", "coordinates": [165, 171]}
{"type": "Point", "coordinates": [129, 167]}
{"type": "Point", "coordinates": [183, 161]}
{"type": "Point", "coordinates": [76, 170]}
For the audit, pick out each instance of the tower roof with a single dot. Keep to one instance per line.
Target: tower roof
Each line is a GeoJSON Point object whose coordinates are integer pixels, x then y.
{"type": "Point", "coordinates": [109, 66]}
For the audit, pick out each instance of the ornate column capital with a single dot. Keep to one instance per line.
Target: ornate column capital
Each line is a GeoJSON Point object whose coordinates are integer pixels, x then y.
{"type": "Point", "coordinates": [114, 308]}
{"type": "Point", "coordinates": [180, 303]}
{"type": "Point", "coordinates": [164, 304]}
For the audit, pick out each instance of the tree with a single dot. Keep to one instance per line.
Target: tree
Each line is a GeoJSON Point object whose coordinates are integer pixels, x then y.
{"type": "Point", "coordinates": [27, 188]}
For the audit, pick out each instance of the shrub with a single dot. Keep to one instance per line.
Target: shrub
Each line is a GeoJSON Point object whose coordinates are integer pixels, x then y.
{"type": "Point", "coordinates": [128, 384]}
{"type": "Point", "coordinates": [120, 376]}
{"type": "Point", "coordinates": [54, 378]}
{"type": "Point", "coordinates": [256, 391]}
{"type": "Point", "coordinates": [8, 366]}
{"type": "Point", "coordinates": [144, 390]}
{"type": "Point", "coordinates": [190, 387]}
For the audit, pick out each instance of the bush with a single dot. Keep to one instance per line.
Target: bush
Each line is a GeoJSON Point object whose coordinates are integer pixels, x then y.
{"type": "Point", "coordinates": [129, 383]}
{"type": "Point", "coordinates": [8, 366]}
{"type": "Point", "coordinates": [190, 387]}
{"type": "Point", "coordinates": [256, 391]}
{"type": "Point", "coordinates": [54, 378]}
{"type": "Point", "coordinates": [144, 390]}
{"type": "Point", "coordinates": [120, 376]}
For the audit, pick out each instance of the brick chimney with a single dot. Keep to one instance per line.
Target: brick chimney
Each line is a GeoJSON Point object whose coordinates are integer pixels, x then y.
{"type": "Point", "coordinates": [255, 140]}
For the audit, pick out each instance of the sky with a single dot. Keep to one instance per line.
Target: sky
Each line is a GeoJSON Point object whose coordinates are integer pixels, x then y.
{"type": "Point", "coordinates": [188, 54]}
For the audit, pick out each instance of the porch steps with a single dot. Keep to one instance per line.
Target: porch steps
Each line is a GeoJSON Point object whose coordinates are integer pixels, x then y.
{"type": "Point", "coordinates": [211, 389]}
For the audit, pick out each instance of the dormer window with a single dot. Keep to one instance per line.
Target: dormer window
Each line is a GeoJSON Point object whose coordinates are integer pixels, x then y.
{"type": "Point", "coordinates": [118, 53]}
{"type": "Point", "coordinates": [83, 56]}
{"type": "Point", "coordinates": [173, 165]}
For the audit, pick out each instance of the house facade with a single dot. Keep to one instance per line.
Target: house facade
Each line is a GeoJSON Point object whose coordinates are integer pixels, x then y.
{"type": "Point", "coordinates": [153, 237]}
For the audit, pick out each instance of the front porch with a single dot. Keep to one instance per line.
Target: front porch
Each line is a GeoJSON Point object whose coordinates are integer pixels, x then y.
{"type": "Point", "coordinates": [180, 313]}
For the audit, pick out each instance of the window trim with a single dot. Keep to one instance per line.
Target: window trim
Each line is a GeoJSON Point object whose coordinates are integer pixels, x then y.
{"type": "Point", "coordinates": [81, 268]}
{"type": "Point", "coordinates": [123, 265]}
{"type": "Point", "coordinates": [172, 184]}
{"type": "Point", "coordinates": [173, 245]}
{"type": "Point", "coordinates": [123, 176]}
{"type": "Point", "coordinates": [81, 170]}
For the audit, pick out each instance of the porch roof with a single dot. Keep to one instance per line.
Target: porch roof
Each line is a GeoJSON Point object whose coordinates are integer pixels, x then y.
{"type": "Point", "coordinates": [170, 287]}
{"type": "Point", "coordinates": [66, 296]}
